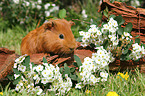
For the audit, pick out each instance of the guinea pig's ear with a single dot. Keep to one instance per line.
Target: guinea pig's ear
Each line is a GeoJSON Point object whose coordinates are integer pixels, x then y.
{"type": "Point", "coordinates": [71, 23]}
{"type": "Point", "coordinates": [49, 25]}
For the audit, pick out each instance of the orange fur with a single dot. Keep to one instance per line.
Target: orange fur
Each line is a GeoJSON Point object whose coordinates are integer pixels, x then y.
{"type": "Point", "coordinates": [45, 39]}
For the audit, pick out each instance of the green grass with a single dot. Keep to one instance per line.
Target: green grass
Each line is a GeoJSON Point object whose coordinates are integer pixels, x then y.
{"type": "Point", "coordinates": [134, 86]}
{"type": "Point", "coordinates": [11, 38]}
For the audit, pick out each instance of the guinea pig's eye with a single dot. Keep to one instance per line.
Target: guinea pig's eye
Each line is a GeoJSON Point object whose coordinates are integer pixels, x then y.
{"type": "Point", "coordinates": [61, 36]}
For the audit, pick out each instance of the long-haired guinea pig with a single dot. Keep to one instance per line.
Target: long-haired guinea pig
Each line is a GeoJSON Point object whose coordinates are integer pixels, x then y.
{"type": "Point", "coordinates": [54, 36]}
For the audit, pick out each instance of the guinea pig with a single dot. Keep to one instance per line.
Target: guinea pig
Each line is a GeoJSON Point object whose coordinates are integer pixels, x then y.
{"type": "Point", "coordinates": [54, 37]}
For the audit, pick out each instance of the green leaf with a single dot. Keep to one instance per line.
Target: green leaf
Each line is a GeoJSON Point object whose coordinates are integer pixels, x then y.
{"type": "Point", "coordinates": [78, 60]}
{"type": "Point", "coordinates": [61, 69]}
{"type": "Point", "coordinates": [143, 45]}
{"type": "Point", "coordinates": [120, 30]}
{"type": "Point", "coordinates": [112, 16]}
{"type": "Point", "coordinates": [10, 77]}
{"type": "Point", "coordinates": [66, 69]}
{"type": "Point", "coordinates": [97, 45]}
{"type": "Point", "coordinates": [62, 13]}
{"type": "Point", "coordinates": [72, 69]}
{"type": "Point", "coordinates": [44, 60]}
{"type": "Point", "coordinates": [105, 44]}
{"type": "Point", "coordinates": [27, 61]}
{"type": "Point", "coordinates": [127, 57]}
{"type": "Point", "coordinates": [73, 77]}
{"type": "Point", "coordinates": [129, 45]}
{"type": "Point", "coordinates": [128, 27]}
{"type": "Point", "coordinates": [137, 40]}
{"type": "Point", "coordinates": [125, 50]}
{"type": "Point", "coordinates": [105, 13]}
{"type": "Point", "coordinates": [119, 20]}
{"type": "Point", "coordinates": [32, 64]}
{"type": "Point", "coordinates": [123, 57]}
{"type": "Point", "coordinates": [16, 71]}
{"type": "Point", "coordinates": [17, 80]}
{"type": "Point", "coordinates": [137, 36]}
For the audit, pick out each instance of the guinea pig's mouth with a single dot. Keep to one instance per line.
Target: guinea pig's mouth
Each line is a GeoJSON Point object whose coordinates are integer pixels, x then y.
{"type": "Point", "coordinates": [66, 52]}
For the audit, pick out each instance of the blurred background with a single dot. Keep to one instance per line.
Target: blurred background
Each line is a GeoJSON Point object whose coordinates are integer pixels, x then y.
{"type": "Point", "coordinates": [18, 17]}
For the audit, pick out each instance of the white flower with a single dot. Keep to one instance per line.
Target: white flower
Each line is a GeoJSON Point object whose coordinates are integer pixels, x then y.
{"type": "Point", "coordinates": [105, 26]}
{"type": "Point", "coordinates": [115, 24]}
{"type": "Point", "coordinates": [84, 14]}
{"type": "Point", "coordinates": [104, 79]}
{"type": "Point", "coordinates": [84, 39]}
{"type": "Point", "coordinates": [115, 43]}
{"type": "Point", "coordinates": [94, 30]}
{"type": "Point", "coordinates": [82, 33]}
{"type": "Point", "coordinates": [87, 35]}
{"type": "Point", "coordinates": [56, 69]}
{"type": "Point", "coordinates": [52, 67]}
{"type": "Point", "coordinates": [103, 63]}
{"type": "Point", "coordinates": [122, 37]}
{"type": "Point", "coordinates": [21, 68]}
{"type": "Point", "coordinates": [20, 59]}
{"type": "Point", "coordinates": [94, 56]}
{"type": "Point", "coordinates": [136, 47]}
{"type": "Point", "coordinates": [112, 22]}
{"type": "Point", "coordinates": [126, 34]}
{"type": "Point", "coordinates": [78, 86]}
{"type": "Point", "coordinates": [35, 76]}
{"type": "Point", "coordinates": [93, 26]}
{"type": "Point", "coordinates": [87, 60]}
{"type": "Point", "coordinates": [99, 32]}
{"type": "Point", "coordinates": [39, 1]}
{"type": "Point", "coordinates": [15, 65]}
{"type": "Point", "coordinates": [98, 60]}
{"type": "Point", "coordinates": [84, 44]}
{"type": "Point", "coordinates": [46, 6]}
{"type": "Point", "coordinates": [104, 74]}
{"type": "Point", "coordinates": [16, 1]}
{"type": "Point", "coordinates": [96, 79]}
{"type": "Point", "coordinates": [27, 3]}
{"type": "Point", "coordinates": [38, 7]}
{"type": "Point", "coordinates": [44, 81]}
{"type": "Point", "coordinates": [53, 5]}
{"type": "Point", "coordinates": [50, 75]}
{"type": "Point", "coordinates": [45, 73]}
{"type": "Point", "coordinates": [17, 87]}
{"type": "Point", "coordinates": [33, 5]}
{"type": "Point", "coordinates": [46, 65]}
{"type": "Point", "coordinates": [112, 29]}
{"type": "Point", "coordinates": [37, 80]}
{"type": "Point", "coordinates": [47, 13]}
{"type": "Point", "coordinates": [104, 30]}
{"type": "Point", "coordinates": [112, 37]}
{"type": "Point", "coordinates": [16, 76]}
{"type": "Point", "coordinates": [100, 52]}
{"type": "Point", "coordinates": [54, 9]}
{"type": "Point", "coordinates": [21, 84]}
{"type": "Point", "coordinates": [39, 91]}
{"type": "Point", "coordinates": [39, 68]}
